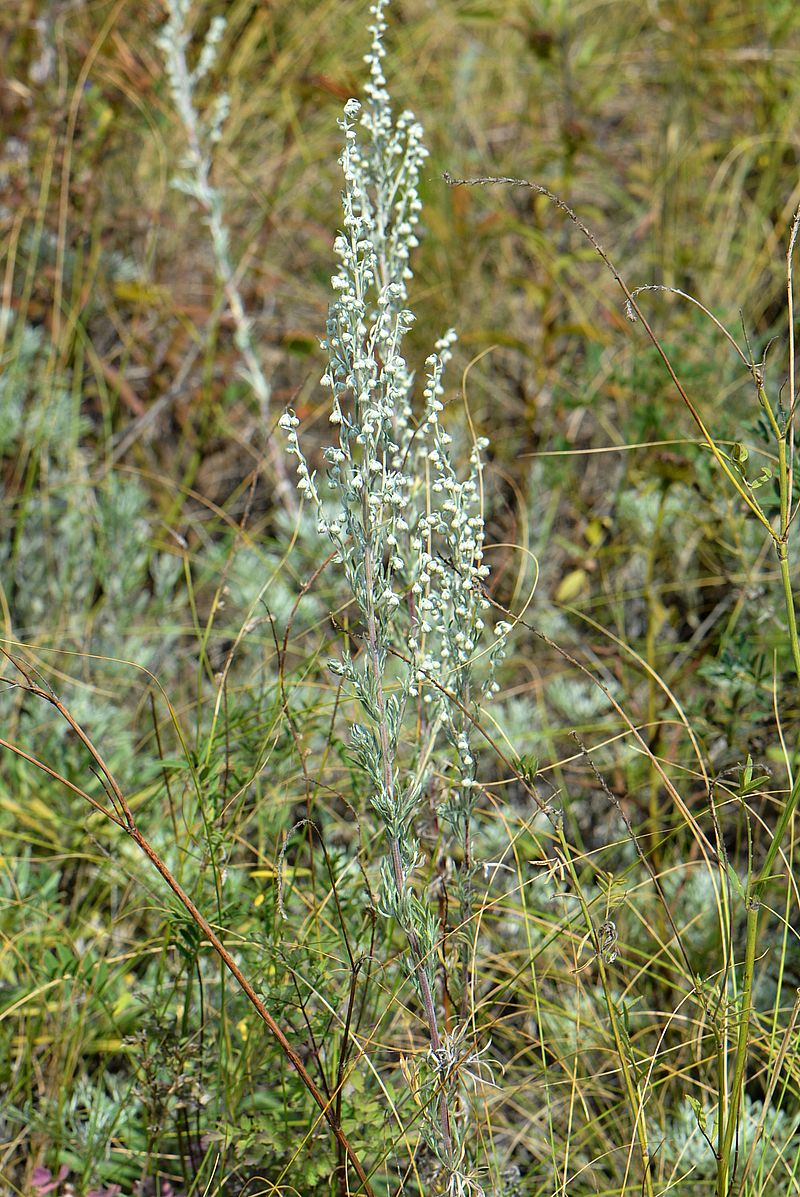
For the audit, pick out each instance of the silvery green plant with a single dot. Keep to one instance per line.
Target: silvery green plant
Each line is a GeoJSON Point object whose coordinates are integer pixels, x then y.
{"type": "Point", "coordinates": [203, 132]}
{"type": "Point", "coordinates": [408, 532]}
{"type": "Point", "coordinates": [769, 1144]}
{"type": "Point", "coordinates": [78, 566]}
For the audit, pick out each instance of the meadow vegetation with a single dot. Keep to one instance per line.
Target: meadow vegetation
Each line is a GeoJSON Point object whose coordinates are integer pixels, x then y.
{"type": "Point", "coordinates": [399, 772]}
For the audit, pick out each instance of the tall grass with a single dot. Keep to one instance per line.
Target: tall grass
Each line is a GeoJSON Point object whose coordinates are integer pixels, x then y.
{"type": "Point", "coordinates": [305, 888]}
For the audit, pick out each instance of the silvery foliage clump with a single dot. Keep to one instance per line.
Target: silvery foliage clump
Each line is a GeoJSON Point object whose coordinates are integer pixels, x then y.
{"type": "Point", "coordinates": [408, 532]}
{"type": "Point", "coordinates": [78, 564]}
{"type": "Point", "coordinates": [203, 132]}
{"type": "Point", "coordinates": [688, 1135]}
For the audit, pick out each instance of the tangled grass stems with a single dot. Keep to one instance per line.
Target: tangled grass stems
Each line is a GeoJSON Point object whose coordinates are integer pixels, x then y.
{"type": "Point", "coordinates": [781, 423]}
{"type": "Point", "coordinates": [122, 815]}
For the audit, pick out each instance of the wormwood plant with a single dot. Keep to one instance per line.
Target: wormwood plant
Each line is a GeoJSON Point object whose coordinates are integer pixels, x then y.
{"type": "Point", "coordinates": [203, 132]}
{"type": "Point", "coordinates": [408, 531]}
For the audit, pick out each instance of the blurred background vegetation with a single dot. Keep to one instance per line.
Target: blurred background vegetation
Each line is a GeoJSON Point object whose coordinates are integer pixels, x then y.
{"type": "Point", "coordinates": [151, 577]}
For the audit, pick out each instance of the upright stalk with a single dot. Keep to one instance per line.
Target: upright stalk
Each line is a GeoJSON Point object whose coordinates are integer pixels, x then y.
{"type": "Point", "coordinates": [399, 873]}
{"type": "Point", "coordinates": [755, 887]}
{"type": "Point", "coordinates": [202, 135]}
{"type": "Point", "coordinates": [407, 528]}
{"type": "Point", "coordinates": [633, 1093]}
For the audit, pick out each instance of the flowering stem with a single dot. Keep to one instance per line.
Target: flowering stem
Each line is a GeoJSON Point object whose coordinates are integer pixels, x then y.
{"type": "Point", "coordinates": [196, 179]}
{"type": "Point", "coordinates": [398, 872]}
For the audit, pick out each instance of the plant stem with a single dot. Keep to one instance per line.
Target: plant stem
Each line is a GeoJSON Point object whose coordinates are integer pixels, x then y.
{"type": "Point", "coordinates": [732, 1123]}
{"type": "Point", "coordinates": [398, 871]}
{"type": "Point", "coordinates": [755, 888]}
{"type": "Point", "coordinates": [788, 598]}
{"type": "Point", "coordinates": [632, 1091]}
